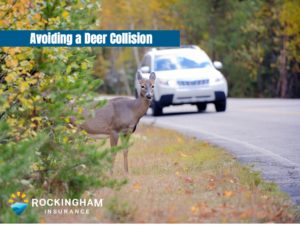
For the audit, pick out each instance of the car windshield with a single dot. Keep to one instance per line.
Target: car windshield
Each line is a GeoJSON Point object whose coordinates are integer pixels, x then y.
{"type": "Point", "coordinates": [180, 61]}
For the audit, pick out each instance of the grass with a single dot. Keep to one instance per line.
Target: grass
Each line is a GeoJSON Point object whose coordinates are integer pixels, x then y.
{"type": "Point", "coordinates": [177, 179]}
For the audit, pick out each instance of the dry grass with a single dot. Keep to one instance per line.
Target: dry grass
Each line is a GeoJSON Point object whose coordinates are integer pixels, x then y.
{"type": "Point", "coordinates": [174, 178]}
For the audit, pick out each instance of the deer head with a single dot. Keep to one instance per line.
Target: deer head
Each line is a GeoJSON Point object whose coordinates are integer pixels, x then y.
{"type": "Point", "coordinates": [147, 85]}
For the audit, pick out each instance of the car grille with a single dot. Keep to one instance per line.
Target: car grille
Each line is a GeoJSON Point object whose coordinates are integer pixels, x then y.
{"type": "Point", "coordinates": [193, 83]}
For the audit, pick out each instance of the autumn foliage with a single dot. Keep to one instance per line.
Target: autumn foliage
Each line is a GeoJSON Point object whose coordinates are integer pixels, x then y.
{"type": "Point", "coordinates": [257, 41]}
{"type": "Point", "coordinates": [41, 153]}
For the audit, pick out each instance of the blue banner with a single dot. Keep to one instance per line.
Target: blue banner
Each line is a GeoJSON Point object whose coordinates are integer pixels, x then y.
{"type": "Point", "coordinates": [82, 38]}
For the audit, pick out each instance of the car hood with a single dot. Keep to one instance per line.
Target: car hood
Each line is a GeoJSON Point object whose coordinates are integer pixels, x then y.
{"type": "Point", "coordinates": [188, 74]}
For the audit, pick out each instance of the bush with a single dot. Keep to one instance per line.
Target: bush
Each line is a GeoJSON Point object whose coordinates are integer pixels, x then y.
{"type": "Point", "coordinates": [41, 153]}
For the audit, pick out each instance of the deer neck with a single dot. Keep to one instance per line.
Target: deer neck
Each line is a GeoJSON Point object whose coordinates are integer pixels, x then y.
{"type": "Point", "coordinates": [141, 106]}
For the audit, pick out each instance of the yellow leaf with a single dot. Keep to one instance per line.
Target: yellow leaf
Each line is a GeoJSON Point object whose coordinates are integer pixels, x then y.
{"type": "Point", "coordinates": [65, 14]}
{"type": "Point", "coordinates": [23, 86]}
{"type": "Point", "coordinates": [20, 23]}
{"type": "Point", "coordinates": [69, 68]}
{"type": "Point", "coordinates": [80, 109]}
{"type": "Point", "coordinates": [34, 167]}
{"type": "Point", "coordinates": [36, 98]}
{"type": "Point", "coordinates": [84, 65]}
{"type": "Point", "coordinates": [11, 51]}
{"type": "Point", "coordinates": [65, 140]}
{"type": "Point", "coordinates": [32, 81]}
{"type": "Point", "coordinates": [27, 103]}
{"type": "Point", "coordinates": [5, 106]}
{"type": "Point", "coordinates": [37, 16]}
{"type": "Point", "coordinates": [10, 63]}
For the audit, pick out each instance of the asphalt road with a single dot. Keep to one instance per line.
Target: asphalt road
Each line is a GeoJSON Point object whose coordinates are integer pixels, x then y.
{"type": "Point", "coordinates": [260, 132]}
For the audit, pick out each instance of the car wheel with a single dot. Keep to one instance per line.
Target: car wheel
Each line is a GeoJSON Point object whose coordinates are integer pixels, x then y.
{"type": "Point", "coordinates": [156, 109]}
{"type": "Point", "coordinates": [201, 107]}
{"type": "Point", "coordinates": [220, 106]}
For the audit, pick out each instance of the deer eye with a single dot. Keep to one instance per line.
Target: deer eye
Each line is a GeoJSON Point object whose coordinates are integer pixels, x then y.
{"type": "Point", "coordinates": [152, 86]}
{"type": "Point", "coordinates": [142, 86]}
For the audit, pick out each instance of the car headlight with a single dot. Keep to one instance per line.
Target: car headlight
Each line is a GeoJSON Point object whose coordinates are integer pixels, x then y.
{"type": "Point", "coordinates": [171, 83]}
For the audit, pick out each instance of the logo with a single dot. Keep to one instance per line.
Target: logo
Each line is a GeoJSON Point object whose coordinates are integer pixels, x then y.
{"type": "Point", "coordinates": [18, 202]}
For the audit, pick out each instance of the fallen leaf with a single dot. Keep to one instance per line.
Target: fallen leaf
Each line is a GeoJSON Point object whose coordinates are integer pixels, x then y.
{"type": "Point", "coordinates": [183, 155]}
{"type": "Point", "coordinates": [211, 185]}
{"type": "Point", "coordinates": [188, 192]}
{"type": "Point", "coordinates": [188, 180]}
{"type": "Point", "coordinates": [227, 193]}
{"type": "Point", "coordinates": [136, 186]}
{"type": "Point", "coordinates": [194, 209]}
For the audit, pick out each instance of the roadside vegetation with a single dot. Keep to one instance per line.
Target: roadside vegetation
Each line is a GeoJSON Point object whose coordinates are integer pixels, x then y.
{"type": "Point", "coordinates": [174, 178]}
{"type": "Point", "coordinates": [41, 153]}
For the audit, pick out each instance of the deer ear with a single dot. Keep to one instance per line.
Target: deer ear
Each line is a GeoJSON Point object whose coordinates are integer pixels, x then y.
{"type": "Point", "coordinates": [152, 76]}
{"type": "Point", "coordinates": [139, 75]}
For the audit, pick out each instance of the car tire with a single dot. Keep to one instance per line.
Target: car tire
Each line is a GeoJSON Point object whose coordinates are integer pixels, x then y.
{"type": "Point", "coordinates": [201, 107]}
{"type": "Point", "coordinates": [220, 106]}
{"type": "Point", "coordinates": [156, 108]}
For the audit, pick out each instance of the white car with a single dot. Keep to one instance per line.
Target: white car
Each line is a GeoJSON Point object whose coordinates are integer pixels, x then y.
{"type": "Point", "coordinates": [184, 75]}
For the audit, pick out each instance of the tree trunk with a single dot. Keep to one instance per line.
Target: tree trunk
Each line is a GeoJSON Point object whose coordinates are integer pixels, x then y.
{"type": "Point", "coordinates": [123, 76]}
{"type": "Point", "coordinates": [135, 49]}
{"type": "Point", "coordinates": [125, 81]}
{"type": "Point", "coordinates": [136, 56]}
{"type": "Point", "coordinates": [283, 73]}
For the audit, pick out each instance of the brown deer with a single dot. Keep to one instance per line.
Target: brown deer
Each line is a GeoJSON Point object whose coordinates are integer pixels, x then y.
{"type": "Point", "coordinates": [121, 115]}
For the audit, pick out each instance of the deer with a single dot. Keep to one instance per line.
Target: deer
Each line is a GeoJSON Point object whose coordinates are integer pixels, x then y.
{"type": "Point", "coordinates": [121, 115]}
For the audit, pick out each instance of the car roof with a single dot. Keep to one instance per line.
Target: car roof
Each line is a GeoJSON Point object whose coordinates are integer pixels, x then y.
{"type": "Point", "coordinates": [166, 51]}
{"type": "Point", "coordinates": [181, 50]}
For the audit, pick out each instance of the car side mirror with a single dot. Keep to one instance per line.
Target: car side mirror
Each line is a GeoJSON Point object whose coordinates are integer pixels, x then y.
{"type": "Point", "coordinates": [218, 65]}
{"type": "Point", "coordinates": [145, 69]}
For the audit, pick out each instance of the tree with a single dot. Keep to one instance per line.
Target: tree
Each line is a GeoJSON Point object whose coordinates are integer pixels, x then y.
{"type": "Point", "coordinates": [258, 41]}
{"type": "Point", "coordinates": [118, 65]}
{"type": "Point", "coordinates": [41, 153]}
{"type": "Point", "coordinates": [270, 49]}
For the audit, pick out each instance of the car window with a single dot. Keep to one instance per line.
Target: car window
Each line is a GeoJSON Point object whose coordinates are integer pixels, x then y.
{"type": "Point", "coordinates": [181, 61]}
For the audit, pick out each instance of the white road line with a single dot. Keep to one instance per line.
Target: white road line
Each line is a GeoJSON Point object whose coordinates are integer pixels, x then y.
{"type": "Point", "coordinates": [246, 144]}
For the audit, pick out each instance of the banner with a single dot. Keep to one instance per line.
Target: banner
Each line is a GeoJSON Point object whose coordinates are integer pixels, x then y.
{"type": "Point", "coordinates": [83, 38]}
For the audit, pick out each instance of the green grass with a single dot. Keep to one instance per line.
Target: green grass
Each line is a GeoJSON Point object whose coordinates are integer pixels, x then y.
{"type": "Point", "coordinates": [174, 178]}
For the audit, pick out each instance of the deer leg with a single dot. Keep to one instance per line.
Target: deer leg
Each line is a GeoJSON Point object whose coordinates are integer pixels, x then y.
{"type": "Point", "coordinates": [114, 137]}
{"type": "Point", "coordinates": [125, 153]}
